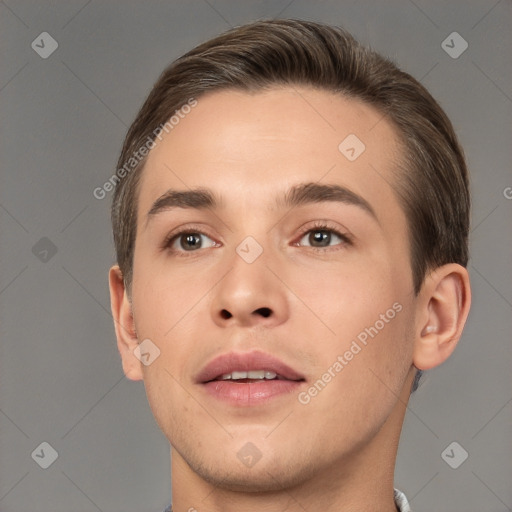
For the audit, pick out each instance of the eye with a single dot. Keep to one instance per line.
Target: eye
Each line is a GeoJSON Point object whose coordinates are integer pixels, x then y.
{"type": "Point", "coordinates": [323, 236]}
{"type": "Point", "coordinates": [188, 241]}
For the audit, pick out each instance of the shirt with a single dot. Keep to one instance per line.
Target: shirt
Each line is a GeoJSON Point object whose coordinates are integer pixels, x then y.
{"type": "Point", "coordinates": [402, 505]}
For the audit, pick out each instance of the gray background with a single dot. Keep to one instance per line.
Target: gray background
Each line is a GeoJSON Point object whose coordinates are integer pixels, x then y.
{"type": "Point", "coordinates": [64, 119]}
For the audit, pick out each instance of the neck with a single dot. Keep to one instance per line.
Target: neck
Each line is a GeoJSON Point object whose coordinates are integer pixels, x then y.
{"type": "Point", "coordinates": [362, 481]}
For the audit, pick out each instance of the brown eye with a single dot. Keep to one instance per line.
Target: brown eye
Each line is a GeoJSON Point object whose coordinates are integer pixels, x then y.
{"type": "Point", "coordinates": [322, 238]}
{"type": "Point", "coordinates": [189, 241]}
{"type": "Point", "coordinates": [319, 238]}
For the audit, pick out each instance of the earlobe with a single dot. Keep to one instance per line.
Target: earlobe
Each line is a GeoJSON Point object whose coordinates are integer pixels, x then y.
{"type": "Point", "coordinates": [443, 307]}
{"type": "Point", "coordinates": [124, 325]}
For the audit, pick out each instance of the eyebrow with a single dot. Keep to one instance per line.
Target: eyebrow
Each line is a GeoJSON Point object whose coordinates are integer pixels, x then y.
{"type": "Point", "coordinates": [298, 195]}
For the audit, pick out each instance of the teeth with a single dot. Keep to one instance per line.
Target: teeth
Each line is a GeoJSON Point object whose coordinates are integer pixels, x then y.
{"type": "Point", "coordinates": [252, 374]}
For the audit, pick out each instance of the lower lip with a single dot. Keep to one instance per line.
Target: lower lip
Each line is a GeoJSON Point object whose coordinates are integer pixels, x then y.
{"type": "Point", "coordinates": [250, 393]}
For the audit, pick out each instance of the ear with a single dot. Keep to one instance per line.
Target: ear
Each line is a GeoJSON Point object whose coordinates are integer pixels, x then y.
{"type": "Point", "coordinates": [127, 340]}
{"type": "Point", "coordinates": [442, 310]}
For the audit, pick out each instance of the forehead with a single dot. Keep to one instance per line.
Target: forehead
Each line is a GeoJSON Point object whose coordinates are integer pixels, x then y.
{"type": "Point", "coordinates": [249, 147]}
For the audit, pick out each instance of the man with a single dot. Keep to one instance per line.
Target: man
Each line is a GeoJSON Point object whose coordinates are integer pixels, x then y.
{"type": "Point", "coordinates": [291, 221]}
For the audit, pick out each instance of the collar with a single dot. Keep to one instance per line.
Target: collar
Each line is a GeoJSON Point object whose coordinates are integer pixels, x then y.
{"type": "Point", "coordinates": [402, 505]}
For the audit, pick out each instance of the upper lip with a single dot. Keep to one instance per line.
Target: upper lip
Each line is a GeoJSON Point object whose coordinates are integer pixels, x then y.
{"type": "Point", "coordinates": [233, 361]}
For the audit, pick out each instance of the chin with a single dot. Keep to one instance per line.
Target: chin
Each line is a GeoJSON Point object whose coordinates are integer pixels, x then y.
{"type": "Point", "coordinates": [250, 481]}
{"type": "Point", "coordinates": [268, 475]}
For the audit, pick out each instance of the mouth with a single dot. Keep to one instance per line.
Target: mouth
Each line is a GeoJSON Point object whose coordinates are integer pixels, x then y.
{"type": "Point", "coordinates": [248, 379]}
{"type": "Point", "coordinates": [243, 377]}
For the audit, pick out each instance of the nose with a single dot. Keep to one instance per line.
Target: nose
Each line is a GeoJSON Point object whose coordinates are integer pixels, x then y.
{"type": "Point", "coordinates": [250, 295]}
{"type": "Point", "coordinates": [264, 312]}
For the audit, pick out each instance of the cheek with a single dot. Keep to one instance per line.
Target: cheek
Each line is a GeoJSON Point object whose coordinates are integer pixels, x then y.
{"type": "Point", "coordinates": [364, 367]}
{"type": "Point", "coordinates": [160, 385]}
{"type": "Point", "coordinates": [164, 299]}
{"type": "Point", "coordinates": [348, 298]}
{"type": "Point", "coordinates": [361, 315]}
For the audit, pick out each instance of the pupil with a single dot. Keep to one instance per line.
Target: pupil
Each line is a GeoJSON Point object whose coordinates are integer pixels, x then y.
{"type": "Point", "coordinates": [192, 240]}
{"type": "Point", "coordinates": [318, 237]}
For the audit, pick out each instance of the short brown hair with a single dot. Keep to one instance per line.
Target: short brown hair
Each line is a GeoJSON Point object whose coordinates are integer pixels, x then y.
{"type": "Point", "coordinates": [431, 180]}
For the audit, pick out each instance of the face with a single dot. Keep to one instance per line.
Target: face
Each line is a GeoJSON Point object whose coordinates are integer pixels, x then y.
{"type": "Point", "coordinates": [296, 248]}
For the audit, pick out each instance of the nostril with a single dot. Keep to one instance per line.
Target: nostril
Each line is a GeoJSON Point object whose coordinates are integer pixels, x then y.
{"type": "Point", "coordinates": [265, 312]}
{"type": "Point", "coordinates": [225, 314]}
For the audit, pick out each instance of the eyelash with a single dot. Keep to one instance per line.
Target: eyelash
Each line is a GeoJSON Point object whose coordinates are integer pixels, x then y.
{"type": "Point", "coordinates": [318, 226]}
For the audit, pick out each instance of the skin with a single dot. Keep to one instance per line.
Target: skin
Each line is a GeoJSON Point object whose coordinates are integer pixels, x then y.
{"type": "Point", "coordinates": [337, 452]}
